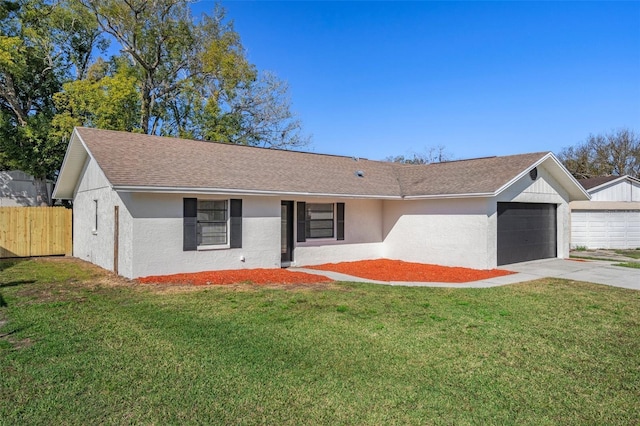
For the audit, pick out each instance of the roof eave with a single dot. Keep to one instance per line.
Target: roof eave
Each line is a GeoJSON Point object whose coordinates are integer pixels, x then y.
{"type": "Point", "coordinates": [245, 192]}
{"type": "Point", "coordinates": [613, 182]}
{"type": "Point", "coordinates": [438, 196]}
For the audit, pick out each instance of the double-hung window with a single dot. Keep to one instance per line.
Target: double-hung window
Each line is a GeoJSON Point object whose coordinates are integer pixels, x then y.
{"type": "Point", "coordinates": [319, 223]}
{"type": "Point", "coordinates": [320, 220]}
{"type": "Point", "coordinates": [212, 222]}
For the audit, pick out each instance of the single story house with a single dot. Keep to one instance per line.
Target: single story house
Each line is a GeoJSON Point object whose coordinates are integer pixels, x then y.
{"type": "Point", "coordinates": [611, 219]}
{"type": "Point", "coordinates": [18, 189]}
{"type": "Point", "coordinates": [148, 205]}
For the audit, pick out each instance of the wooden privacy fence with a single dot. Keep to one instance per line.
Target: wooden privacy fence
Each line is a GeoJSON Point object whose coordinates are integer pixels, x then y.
{"type": "Point", "coordinates": [35, 231]}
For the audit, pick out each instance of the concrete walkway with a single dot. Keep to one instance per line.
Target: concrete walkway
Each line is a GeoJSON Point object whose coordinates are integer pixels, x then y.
{"type": "Point", "coordinates": [594, 271]}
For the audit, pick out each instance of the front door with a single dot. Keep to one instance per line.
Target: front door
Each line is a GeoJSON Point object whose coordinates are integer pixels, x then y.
{"type": "Point", "coordinates": [286, 232]}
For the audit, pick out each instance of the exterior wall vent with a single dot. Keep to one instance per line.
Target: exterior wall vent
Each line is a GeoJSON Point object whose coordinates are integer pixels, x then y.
{"type": "Point", "coordinates": [533, 173]}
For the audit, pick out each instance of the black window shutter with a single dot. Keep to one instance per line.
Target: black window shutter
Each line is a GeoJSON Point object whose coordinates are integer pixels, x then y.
{"type": "Point", "coordinates": [190, 222]}
{"type": "Point", "coordinates": [340, 227]}
{"type": "Point", "coordinates": [302, 221]}
{"type": "Point", "coordinates": [236, 224]}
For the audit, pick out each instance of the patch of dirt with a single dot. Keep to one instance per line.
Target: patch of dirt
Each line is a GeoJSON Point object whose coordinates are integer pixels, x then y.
{"type": "Point", "coordinates": [87, 276]}
{"type": "Point", "coordinates": [8, 337]}
{"type": "Point", "coordinates": [21, 344]}
{"type": "Point", "coordinates": [98, 276]}
{"type": "Point", "coordinates": [397, 270]}
{"type": "Point", "coordinates": [240, 276]}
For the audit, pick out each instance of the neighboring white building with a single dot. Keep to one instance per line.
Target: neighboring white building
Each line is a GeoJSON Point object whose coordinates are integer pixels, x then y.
{"type": "Point", "coordinates": [147, 205]}
{"type": "Point", "coordinates": [18, 189]}
{"type": "Point", "coordinates": [611, 220]}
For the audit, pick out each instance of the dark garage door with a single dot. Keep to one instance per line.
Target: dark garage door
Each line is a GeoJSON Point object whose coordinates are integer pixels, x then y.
{"type": "Point", "coordinates": [526, 231]}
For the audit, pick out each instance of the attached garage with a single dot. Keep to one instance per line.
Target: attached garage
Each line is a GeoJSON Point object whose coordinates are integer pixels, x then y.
{"type": "Point", "coordinates": [526, 231]}
{"type": "Point", "coordinates": [609, 229]}
{"type": "Point", "coordinates": [611, 219]}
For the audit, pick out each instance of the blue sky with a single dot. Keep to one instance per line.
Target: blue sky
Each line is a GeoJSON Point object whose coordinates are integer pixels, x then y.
{"type": "Point", "coordinates": [374, 79]}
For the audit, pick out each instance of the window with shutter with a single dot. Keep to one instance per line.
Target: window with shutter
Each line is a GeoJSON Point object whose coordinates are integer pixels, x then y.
{"type": "Point", "coordinates": [212, 223]}
{"type": "Point", "coordinates": [320, 220]}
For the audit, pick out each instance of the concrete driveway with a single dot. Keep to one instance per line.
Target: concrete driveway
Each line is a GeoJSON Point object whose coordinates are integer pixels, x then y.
{"type": "Point", "coordinates": [594, 271]}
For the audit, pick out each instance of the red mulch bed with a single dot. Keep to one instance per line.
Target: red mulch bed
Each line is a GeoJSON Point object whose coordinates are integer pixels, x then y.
{"type": "Point", "coordinates": [380, 270]}
{"type": "Point", "coordinates": [248, 276]}
{"type": "Point", "coordinates": [397, 270]}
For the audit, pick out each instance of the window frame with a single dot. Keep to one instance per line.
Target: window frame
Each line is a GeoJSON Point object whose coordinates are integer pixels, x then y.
{"type": "Point", "coordinates": [309, 221]}
{"type": "Point", "coordinates": [226, 221]}
{"type": "Point", "coordinates": [94, 231]}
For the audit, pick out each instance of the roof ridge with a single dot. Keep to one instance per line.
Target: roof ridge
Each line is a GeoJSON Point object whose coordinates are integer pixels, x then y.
{"type": "Point", "coordinates": [353, 157]}
{"type": "Point", "coordinates": [540, 153]}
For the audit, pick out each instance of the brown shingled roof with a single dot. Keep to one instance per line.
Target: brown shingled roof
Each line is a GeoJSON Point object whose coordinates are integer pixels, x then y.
{"type": "Point", "coordinates": [477, 176]}
{"type": "Point", "coordinates": [596, 181]}
{"type": "Point", "coordinates": [139, 161]}
{"type": "Point", "coordinates": [130, 159]}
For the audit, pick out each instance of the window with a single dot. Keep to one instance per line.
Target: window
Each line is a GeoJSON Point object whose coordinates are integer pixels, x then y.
{"type": "Point", "coordinates": [212, 222]}
{"type": "Point", "coordinates": [316, 220]}
{"type": "Point", "coordinates": [319, 223]}
{"type": "Point", "coordinates": [95, 222]}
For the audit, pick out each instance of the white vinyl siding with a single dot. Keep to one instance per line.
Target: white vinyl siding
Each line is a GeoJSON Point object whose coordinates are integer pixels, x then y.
{"type": "Point", "coordinates": [625, 190]}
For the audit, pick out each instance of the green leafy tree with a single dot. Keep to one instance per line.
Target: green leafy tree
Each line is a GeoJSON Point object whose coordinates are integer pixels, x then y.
{"type": "Point", "coordinates": [107, 98]}
{"type": "Point", "coordinates": [42, 44]}
{"type": "Point", "coordinates": [175, 76]}
{"type": "Point", "coordinates": [615, 153]}
{"type": "Point", "coordinates": [158, 36]}
{"type": "Point", "coordinates": [194, 78]}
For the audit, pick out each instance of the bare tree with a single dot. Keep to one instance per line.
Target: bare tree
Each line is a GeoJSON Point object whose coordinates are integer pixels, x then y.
{"type": "Point", "coordinates": [434, 154]}
{"type": "Point", "coordinates": [615, 153]}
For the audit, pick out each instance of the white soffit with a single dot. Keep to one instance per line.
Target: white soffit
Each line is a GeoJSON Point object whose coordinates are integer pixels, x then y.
{"type": "Point", "coordinates": [72, 167]}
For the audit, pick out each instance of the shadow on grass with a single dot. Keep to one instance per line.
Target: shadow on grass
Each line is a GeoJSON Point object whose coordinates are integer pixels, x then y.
{"type": "Point", "coordinates": [10, 333]}
{"type": "Point", "coordinates": [3, 303]}
{"type": "Point", "coordinates": [16, 283]}
{"type": "Point", "coordinates": [8, 263]}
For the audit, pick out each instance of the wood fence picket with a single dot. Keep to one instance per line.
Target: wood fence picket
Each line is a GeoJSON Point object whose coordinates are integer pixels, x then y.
{"type": "Point", "coordinates": [35, 231]}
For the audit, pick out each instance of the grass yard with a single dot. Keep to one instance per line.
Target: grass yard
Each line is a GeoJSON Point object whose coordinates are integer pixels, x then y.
{"type": "Point", "coordinates": [78, 346]}
{"type": "Point", "coordinates": [635, 265]}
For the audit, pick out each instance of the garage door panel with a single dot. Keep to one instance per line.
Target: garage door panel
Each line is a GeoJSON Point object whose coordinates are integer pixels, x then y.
{"type": "Point", "coordinates": [526, 231]}
{"type": "Point", "coordinates": [605, 229]}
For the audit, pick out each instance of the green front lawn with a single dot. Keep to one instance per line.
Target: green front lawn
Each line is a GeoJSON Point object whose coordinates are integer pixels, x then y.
{"type": "Point", "coordinates": [80, 347]}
